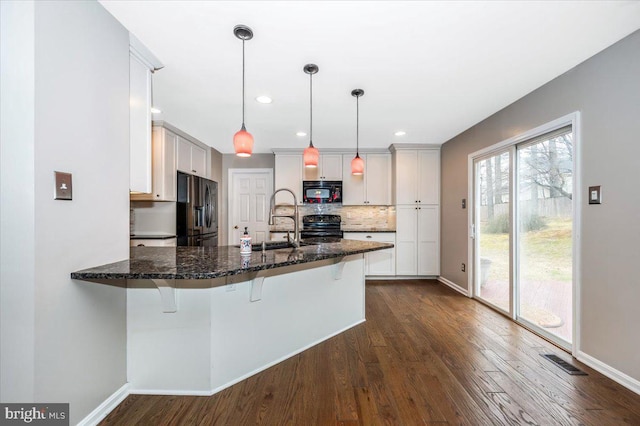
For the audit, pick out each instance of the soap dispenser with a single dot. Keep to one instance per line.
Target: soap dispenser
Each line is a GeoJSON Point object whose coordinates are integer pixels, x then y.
{"type": "Point", "coordinates": [245, 242]}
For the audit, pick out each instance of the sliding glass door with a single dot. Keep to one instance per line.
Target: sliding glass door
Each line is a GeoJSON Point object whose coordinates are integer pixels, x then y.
{"type": "Point", "coordinates": [545, 228]}
{"type": "Point", "coordinates": [523, 232]}
{"type": "Point", "coordinates": [493, 242]}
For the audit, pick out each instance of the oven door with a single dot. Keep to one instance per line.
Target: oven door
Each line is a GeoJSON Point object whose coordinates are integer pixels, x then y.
{"type": "Point", "coordinates": [321, 236]}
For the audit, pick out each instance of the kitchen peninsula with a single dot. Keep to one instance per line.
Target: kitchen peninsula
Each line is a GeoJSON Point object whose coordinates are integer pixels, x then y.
{"type": "Point", "coordinates": [201, 319]}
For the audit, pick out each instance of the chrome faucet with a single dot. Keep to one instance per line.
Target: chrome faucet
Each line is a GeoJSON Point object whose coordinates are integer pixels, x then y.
{"type": "Point", "coordinates": [295, 217]}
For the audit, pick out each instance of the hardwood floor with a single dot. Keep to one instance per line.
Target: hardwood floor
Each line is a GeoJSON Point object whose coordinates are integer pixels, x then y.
{"type": "Point", "coordinates": [425, 356]}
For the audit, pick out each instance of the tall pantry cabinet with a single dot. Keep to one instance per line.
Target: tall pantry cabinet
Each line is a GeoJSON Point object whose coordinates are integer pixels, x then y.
{"type": "Point", "coordinates": [416, 190]}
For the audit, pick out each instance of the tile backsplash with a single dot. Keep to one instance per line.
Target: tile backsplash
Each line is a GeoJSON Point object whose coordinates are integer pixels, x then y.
{"type": "Point", "coordinates": [353, 217]}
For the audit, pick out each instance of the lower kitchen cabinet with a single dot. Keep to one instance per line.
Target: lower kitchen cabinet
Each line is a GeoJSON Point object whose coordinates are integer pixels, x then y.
{"type": "Point", "coordinates": [377, 263]}
{"type": "Point", "coordinates": [418, 240]}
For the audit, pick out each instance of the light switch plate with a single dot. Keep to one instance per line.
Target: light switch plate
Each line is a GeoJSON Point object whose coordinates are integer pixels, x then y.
{"type": "Point", "coordinates": [595, 195]}
{"type": "Point", "coordinates": [63, 186]}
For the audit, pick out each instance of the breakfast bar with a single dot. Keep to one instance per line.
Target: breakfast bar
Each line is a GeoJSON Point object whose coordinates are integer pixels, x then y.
{"type": "Point", "coordinates": [200, 319]}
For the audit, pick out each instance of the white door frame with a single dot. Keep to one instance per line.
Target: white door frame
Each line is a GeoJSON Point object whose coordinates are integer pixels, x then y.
{"type": "Point", "coordinates": [231, 175]}
{"type": "Point", "coordinates": [572, 119]}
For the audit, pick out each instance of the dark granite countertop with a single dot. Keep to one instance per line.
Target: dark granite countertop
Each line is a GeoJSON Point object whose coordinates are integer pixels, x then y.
{"type": "Point", "coordinates": [151, 236]}
{"type": "Point", "coordinates": [188, 263]}
{"type": "Point", "coordinates": [346, 229]}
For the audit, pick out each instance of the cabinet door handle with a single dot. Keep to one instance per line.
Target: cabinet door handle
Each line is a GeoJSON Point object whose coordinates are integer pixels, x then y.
{"type": "Point", "coordinates": [368, 236]}
{"type": "Point", "coordinates": [235, 227]}
{"type": "Point", "coordinates": [194, 171]}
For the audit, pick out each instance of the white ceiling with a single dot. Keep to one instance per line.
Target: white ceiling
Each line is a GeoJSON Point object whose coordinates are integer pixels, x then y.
{"type": "Point", "coordinates": [432, 69]}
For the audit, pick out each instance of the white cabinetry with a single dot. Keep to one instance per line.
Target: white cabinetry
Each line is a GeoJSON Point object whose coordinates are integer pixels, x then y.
{"type": "Point", "coordinates": [329, 168]}
{"type": "Point", "coordinates": [371, 188]}
{"type": "Point", "coordinates": [418, 240]}
{"type": "Point", "coordinates": [288, 174]}
{"type": "Point", "coordinates": [164, 167]}
{"type": "Point", "coordinates": [381, 262]}
{"type": "Point", "coordinates": [192, 158]}
{"type": "Point", "coordinates": [139, 126]}
{"type": "Point", "coordinates": [416, 176]}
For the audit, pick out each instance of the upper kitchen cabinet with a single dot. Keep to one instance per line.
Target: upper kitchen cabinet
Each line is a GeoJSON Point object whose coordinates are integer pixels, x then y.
{"type": "Point", "coordinates": [192, 158]}
{"type": "Point", "coordinates": [371, 188]}
{"type": "Point", "coordinates": [416, 175]}
{"type": "Point", "coordinates": [142, 63]}
{"type": "Point", "coordinates": [329, 168]}
{"type": "Point", "coordinates": [170, 146]}
{"type": "Point", "coordinates": [288, 174]}
{"type": "Point", "coordinates": [163, 167]}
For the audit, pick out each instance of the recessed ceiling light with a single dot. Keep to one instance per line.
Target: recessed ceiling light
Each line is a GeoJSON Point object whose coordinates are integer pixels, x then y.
{"type": "Point", "coordinates": [155, 110]}
{"type": "Point", "coordinates": [400, 133]}
{"type": "Point", "coordinates": [264, 99]}
{"type": "Point", "coordinates": [301, 134]}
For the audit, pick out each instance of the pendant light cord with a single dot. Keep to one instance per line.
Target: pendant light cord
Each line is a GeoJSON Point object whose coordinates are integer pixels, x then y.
{"type": "Point", "coordinates": [310, 109]}
{"type": "Point", "coordinates": [243, 83]}
{"type": "Point", "coordinates": [357, 125]}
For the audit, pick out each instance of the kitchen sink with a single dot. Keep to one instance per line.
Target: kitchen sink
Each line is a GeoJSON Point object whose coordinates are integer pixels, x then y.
{"type": "Point", "coordinates": [273, 245]}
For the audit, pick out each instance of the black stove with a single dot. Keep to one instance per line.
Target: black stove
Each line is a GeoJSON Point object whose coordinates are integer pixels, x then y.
{"type": "Point", "coordinates": [321, 228]}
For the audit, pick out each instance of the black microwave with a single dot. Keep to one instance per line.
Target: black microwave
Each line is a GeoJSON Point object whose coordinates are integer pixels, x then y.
{"type": "Point", "coordinates": [321, 191]}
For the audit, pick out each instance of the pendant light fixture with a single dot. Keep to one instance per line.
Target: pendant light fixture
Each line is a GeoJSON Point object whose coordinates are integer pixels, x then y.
{"type": "Point", "coordinates": [243, 140]}
{"type": "Point", "coordinates": [311, 153]}
{"type": "Point", "coordinates": [357, 164]}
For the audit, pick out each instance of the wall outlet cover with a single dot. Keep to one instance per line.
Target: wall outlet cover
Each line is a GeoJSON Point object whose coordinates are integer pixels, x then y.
{"type": "Point", "coordinates": [63, 187]}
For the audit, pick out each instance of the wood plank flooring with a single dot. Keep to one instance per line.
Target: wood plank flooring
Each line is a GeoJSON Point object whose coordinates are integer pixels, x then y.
{"type": "Point", "coordinates": [425, 356]}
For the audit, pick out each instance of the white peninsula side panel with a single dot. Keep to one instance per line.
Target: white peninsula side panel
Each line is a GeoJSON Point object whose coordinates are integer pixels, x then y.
{"type": "Point", "coordinates": [219, 337]}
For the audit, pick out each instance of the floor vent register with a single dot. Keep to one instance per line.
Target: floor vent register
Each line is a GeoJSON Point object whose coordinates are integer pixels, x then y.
{"type": "Point", "coordinates": [570, 369]}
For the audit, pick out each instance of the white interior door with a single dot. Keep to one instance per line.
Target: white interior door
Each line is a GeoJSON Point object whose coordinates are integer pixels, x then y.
{"type": "Point", "coordinates": [249, 194]}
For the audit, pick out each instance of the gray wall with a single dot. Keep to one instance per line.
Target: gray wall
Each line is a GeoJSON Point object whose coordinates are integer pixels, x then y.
{"type": "Point", "coordinates": [76, 337]}
{"type": "Point", "coordinates": [606, 90]}
{"type": "Point", "coordinates": [231, 161]}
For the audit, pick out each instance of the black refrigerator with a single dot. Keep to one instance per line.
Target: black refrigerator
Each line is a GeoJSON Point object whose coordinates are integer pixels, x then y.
{"type": "Point", "coordinates": [196, 211]}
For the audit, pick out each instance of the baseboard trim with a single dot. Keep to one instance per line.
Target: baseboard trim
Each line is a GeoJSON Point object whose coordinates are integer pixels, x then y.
{"type": "Point", "coordinates": [246, 376]}
{"type": "Point", "coordinates": [171, 392]}
{"type": "Point", "coordinates": [107, 406]}
{"type": "Point", "coordinates": [454, 286]}
{"type": "Point", "coordinates": [401, 277]}
{"type": "Point", "coordinates": [615, 375]}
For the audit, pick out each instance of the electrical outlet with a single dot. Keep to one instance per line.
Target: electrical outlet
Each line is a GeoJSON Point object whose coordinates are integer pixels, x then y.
{"type": "Point", "coordinates": [62, 189]}
{"type": "Point", "coordinates": [463, 268]}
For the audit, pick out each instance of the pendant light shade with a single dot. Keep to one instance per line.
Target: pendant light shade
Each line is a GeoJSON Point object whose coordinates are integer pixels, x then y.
{"type": "Point", "coordinates": [243, 140]}
{"type": "Point", "coordinates": [357, 164]}
{"type": "Point", "coordinates": [311, 154]}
